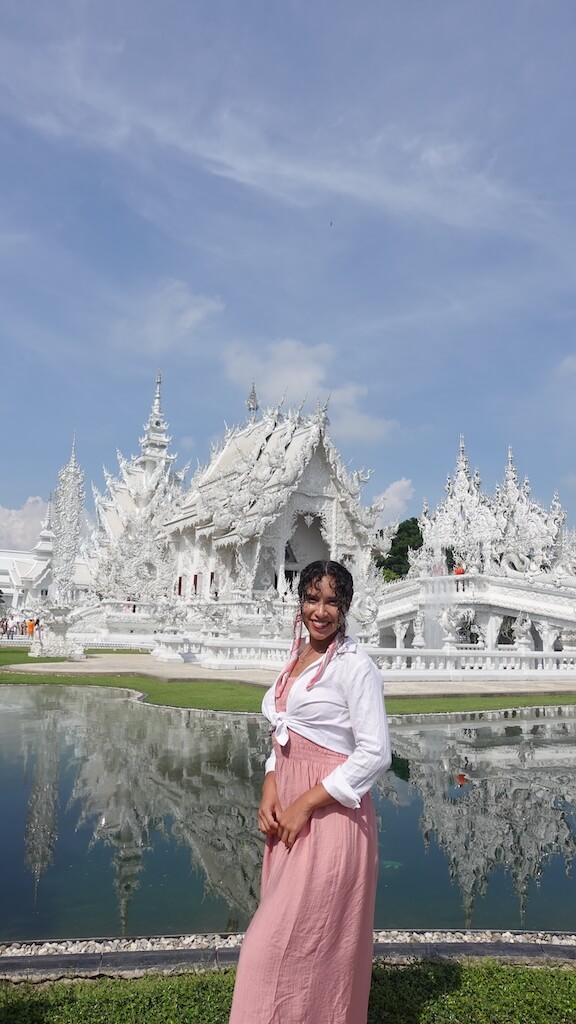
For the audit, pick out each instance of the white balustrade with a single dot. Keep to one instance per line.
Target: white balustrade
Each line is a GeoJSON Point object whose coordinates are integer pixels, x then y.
{"type": "Point", "coordinates": [466, 661]}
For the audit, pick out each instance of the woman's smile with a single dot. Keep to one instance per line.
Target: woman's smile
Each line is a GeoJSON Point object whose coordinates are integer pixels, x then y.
{"type": "Point", "coordinates": [320, 613]}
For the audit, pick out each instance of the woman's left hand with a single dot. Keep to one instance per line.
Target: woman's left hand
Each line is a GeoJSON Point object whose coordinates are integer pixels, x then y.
{"type": "Point", "coordinates": [291, 821]}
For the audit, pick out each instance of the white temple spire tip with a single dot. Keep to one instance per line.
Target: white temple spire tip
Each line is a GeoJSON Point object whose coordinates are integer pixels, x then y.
{"type": "Point", "coordinates": [252, 403]}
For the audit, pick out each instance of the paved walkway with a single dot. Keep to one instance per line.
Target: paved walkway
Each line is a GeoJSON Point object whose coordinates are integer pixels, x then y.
{"type": "Point", "coordinates": [144, 664]}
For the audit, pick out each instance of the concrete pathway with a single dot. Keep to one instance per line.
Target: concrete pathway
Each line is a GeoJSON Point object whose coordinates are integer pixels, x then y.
{"type": "Point", "coordinates": [144, 664]}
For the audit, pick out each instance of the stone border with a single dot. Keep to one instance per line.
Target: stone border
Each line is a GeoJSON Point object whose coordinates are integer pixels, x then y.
{"type": "Point", "coordinates": [89, 958]}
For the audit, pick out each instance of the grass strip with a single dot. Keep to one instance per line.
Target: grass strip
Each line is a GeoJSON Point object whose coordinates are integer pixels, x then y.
{"type": "Point", "coordinates": [217, 695]}
{"type": "Point", "coordinates": [469, 703]}
{"type": "Point", "coordinates": [209, 695]}
{"type": "Point", "coordinates": [434, 992]}
{"type": "Point", "coordinates": [20, 656]}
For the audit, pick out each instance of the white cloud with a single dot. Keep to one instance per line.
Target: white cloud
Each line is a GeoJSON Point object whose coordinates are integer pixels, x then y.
{"type": "Point", "coordinates": [165, 318]}
{"type": "Point", "coordinates": [91, 96]}
{"type": "Point", "coordinates": [288, 368]}
{"type": "Point", "coordinates": [349, 420]}
{"type": "Point", "coordinates": [566, 366]}
{"type": "Point", "coordinates": [19, 527]}
{"type": "Point", "coordinates": [396, 497]}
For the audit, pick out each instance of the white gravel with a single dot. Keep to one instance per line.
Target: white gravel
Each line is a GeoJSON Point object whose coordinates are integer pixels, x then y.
{"type": "Point", "coordinates": [223, 941]}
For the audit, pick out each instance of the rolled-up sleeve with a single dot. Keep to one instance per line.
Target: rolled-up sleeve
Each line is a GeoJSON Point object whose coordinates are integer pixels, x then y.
{"type": "Point", "coordinates": [270, 765]}
{"type": "Point", "coordinates": [372, 753]}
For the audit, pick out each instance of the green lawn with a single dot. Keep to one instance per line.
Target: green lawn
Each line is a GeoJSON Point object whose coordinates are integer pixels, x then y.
{"type": "Point", "coordinates": [19, 656]}
{"type": "Point", "coordinates": [217, 695]}
{"type": "Point", "coordinates": [212, 695]}
{"type": "Point", "coordinates": [444, 705]}
{"type": "Point", "coordinates": [437, 992]}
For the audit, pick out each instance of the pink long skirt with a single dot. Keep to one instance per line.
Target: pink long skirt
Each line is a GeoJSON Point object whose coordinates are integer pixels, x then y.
{"type": "Point", "coordinates": [307, 955]}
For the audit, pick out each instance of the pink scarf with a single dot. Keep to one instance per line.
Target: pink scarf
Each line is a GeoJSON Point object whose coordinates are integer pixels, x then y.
{"type": "Point", "coordinates": [282, 680]}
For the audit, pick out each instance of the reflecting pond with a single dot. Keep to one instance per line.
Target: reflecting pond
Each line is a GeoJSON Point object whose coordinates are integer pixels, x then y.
{"type": "Point", "coordinates": [124, 819]}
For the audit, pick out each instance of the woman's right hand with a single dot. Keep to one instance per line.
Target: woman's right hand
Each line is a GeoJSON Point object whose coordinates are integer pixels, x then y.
{"type": "Point", "coordinates": [269, 807]}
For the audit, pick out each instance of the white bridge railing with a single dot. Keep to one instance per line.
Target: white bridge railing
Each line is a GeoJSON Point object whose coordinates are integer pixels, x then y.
{"type": "Point", "coordinates": [259, 652]}
{"type": "Point", "coordinates": [473, 660]}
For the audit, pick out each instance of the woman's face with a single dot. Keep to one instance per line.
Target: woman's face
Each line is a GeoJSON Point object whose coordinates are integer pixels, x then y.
{"type": "Point", "coordinates": [320, 612]}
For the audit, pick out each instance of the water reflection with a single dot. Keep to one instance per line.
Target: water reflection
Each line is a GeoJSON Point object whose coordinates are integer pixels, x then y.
{"type": "Point", "coordinates": [497, 789]}
{"type": "Point", "coordinates": [97, 771]}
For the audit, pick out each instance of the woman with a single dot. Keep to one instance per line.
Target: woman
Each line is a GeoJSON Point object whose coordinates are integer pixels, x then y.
{"type": "Point", "coordinates": [307, 955]}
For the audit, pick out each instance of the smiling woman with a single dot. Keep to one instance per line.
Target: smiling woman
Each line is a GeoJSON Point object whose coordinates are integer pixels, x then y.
{"type": "Point", "coordinates": [325, 602]}
{"type": "Point", "coordinates": [308, 952]}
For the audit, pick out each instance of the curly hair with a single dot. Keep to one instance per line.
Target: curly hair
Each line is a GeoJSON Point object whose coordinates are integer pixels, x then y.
{"type": "Point", "coordinates": [343, 583]}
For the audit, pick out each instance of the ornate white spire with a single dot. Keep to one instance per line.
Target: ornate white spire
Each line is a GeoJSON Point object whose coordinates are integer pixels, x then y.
{"type": "Point", "coordinates": [252, 403]}
{"type": "Point", "coordinates": [321, 414]}
{"type": "Point", "coordinates": [68, 515]}
{"type": "Point", "coordinates": [129, 553]}
{"type": "Point", "coordinates": [154, 444]}
{"type": "Point", "coordinates": [504, 534]}
{"type": "Point", "coordinates": [462, 465]}
{"type": "Point", "coordinates": [45, 544]}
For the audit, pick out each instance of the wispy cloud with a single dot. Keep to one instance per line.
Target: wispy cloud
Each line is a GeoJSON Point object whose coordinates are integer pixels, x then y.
{"type": "Point", "coordinates": [166, 318]}
{"type": "Point", "coordinates": [350, 419]}
{"type": "Point", "coordinates": [566, 367]}
{"type": "Point", "coordinates": [88, 95]}
{"type": "Point", "coordinates": [291, 369]}
{"type": "Point", "coordinates": [284, 368]}
{"type": "Point", "coordinates": [396, 498]}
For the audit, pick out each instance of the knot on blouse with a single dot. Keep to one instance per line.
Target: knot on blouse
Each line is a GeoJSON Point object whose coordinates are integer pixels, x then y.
{"type": "Point", "coordinates": [281, 730]}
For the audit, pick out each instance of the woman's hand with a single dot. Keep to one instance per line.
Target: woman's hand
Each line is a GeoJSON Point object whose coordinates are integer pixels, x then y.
{"type": "Point", "coordinates": [269, 808]}
{"type": "Point", "coordinates": [292, 820]}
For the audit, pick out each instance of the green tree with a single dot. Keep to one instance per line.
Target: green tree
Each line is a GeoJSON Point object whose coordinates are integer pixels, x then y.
{"type": "Point", "coordinates": [396, 563]}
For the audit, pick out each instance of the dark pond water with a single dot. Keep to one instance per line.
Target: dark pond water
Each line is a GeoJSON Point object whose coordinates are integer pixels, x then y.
{"type": "Point", "coordinates": [123, 819]}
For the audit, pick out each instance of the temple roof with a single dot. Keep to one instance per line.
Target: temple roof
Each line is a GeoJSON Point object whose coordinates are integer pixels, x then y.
{"type": "Point", "coordinates": [259, 465]}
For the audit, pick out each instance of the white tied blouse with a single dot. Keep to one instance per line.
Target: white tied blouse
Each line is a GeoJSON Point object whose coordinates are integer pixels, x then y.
{"type": "Point", "coordinates": [344, 711]}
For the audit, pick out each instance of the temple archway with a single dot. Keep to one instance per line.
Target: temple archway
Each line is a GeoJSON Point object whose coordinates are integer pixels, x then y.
{"type": "Point", "coordinates": [306, 544]}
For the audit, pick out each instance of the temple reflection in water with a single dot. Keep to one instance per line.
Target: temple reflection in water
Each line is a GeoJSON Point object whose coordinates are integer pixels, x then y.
{"type": "Point", "coordinates": [497, 789]}
{"type": "Point", "coordinates": [97, 771]}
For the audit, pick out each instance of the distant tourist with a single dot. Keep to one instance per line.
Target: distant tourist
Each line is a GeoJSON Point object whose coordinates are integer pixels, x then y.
{"type": "Point", "coordinates": [307, 955]}
{"type": "Point", "coordinates": [459, 571]}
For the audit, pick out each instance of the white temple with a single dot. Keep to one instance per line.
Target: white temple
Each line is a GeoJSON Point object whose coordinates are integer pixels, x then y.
{"type": "Point", "coordinates": [26, 576]}
{"type": "Point", "coordinates": [274, 497]}
{"type": "Point", "coordinates": [513, 586]}
{"type": "Point", "coordinates": [174, 565]}
{"type": "Point", "coordinates": [205, 571]}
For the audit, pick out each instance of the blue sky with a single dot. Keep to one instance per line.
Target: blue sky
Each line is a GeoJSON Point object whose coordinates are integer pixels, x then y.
{"type": "Point", "coordinates": [373, 201]}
